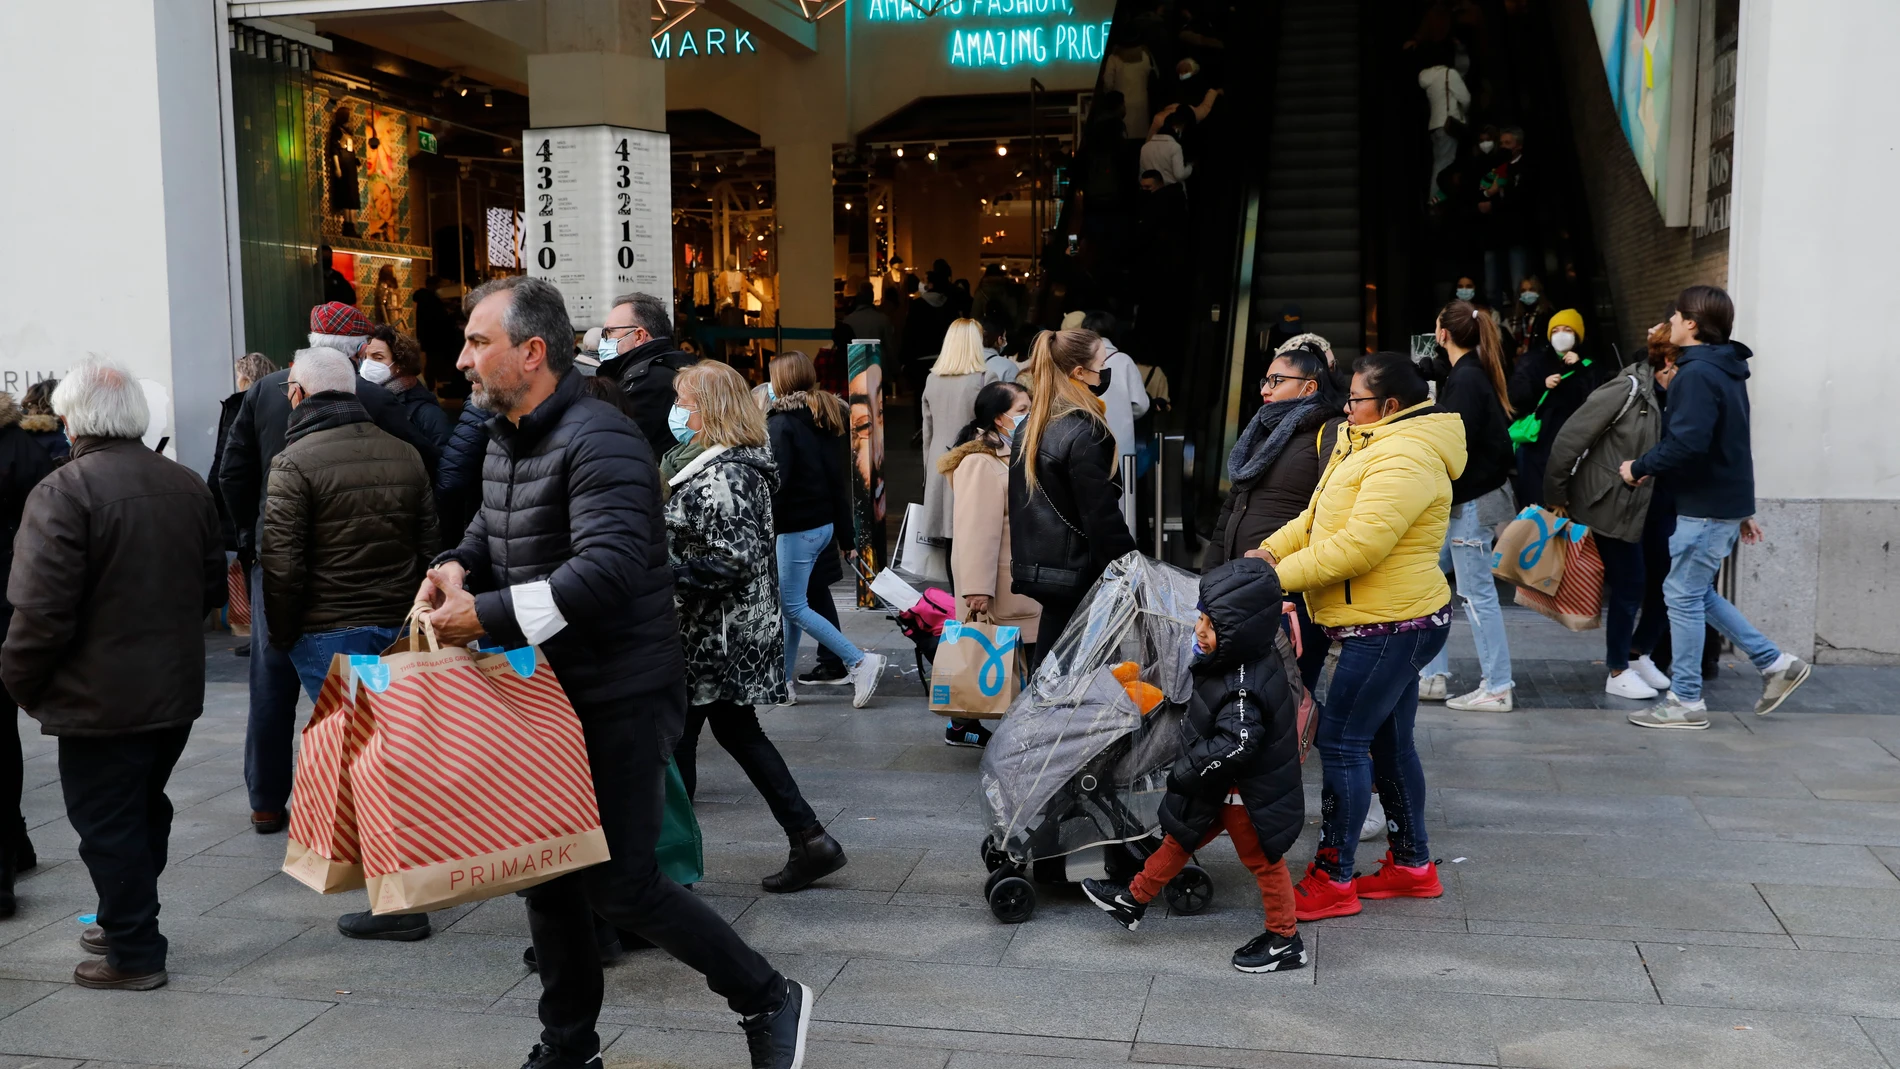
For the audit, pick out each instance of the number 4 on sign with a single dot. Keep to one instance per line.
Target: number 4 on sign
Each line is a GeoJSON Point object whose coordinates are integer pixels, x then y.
{"type": "Point", "coordinates": [622, 150]}
{"type": "Point", "coordinates": [544, 152]}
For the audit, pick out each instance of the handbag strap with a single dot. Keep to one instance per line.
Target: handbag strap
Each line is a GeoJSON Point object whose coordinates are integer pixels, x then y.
{"type": "Point", "coordinates": [1052, 508]}
{"type": "Point", "coordinates": [418, 625]}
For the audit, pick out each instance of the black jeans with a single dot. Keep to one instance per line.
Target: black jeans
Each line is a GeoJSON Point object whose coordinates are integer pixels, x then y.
{"type": "Point", "coordinates": [1653, 627]}
{"type": "Point", "coordinates": [12, 780]}
{"type": "Point", "coordinates": [115, 797]}
{"type": "Point", "coordinates": [736, 727]}
{"type": "Point", "coordinates": [1623, 572]}
{"type": "Point", "coordinates": [629, 891]}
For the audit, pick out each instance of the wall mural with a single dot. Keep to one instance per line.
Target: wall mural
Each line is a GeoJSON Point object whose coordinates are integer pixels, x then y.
{"type": "Point", "coordinates": [363, 189]}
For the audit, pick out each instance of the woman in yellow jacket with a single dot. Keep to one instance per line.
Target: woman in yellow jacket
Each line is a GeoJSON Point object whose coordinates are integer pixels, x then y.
{"type": "Point", "coordinates": [1365, 555]}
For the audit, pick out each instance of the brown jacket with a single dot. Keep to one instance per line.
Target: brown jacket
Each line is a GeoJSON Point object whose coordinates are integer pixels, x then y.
{"type": "Point", "coordinates": [118, 560]}
{"type": "Point", "coordinates": [979, 549]}
{"type": "Point", "coordinates": [349, 524]}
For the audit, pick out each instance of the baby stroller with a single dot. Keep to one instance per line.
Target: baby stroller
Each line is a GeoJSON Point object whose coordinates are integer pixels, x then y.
{"type": "Point", "coordinates": [1075, 773]}
{"type": "Point", "coordinates": [918, 614]}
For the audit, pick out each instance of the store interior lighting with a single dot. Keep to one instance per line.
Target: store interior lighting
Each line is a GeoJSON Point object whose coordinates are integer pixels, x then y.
{"type": "Point", "coordinates": [1002, 149]}
{"type": "Point", "coordinates": [488, 100]}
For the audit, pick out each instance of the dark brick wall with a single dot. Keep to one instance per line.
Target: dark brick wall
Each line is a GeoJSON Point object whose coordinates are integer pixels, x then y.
{"type": "Point", "coordinates": [1647, 263]}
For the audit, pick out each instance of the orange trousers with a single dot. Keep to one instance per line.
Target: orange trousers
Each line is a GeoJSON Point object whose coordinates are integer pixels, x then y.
{"type": "Point", "coordinates": [1276, 884]}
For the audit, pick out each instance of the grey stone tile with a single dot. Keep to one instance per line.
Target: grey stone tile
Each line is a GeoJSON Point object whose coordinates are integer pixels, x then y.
{"type": "Point", "coordinates": [1795, 980]}
{"type": "Point", "coordinates": [1201, 946]}
{"type": "Point", "coordinates": [1886, 1037]}
{"type": "Point", "coordinates": [1775, 819]}
{"type": "Point", "coordinates": [50, 894]}
{"type": "Point", "coordinates": [1844, 945]}
{"type": "Point", "coordinates": [1331, 1019]}
{"type": "Point", "coordinates": [1625, 933]}
{"type": "Point", "coordinates": [909, 933]}
{"type": "Point", "coordinates": [1553, 813]}
{"type": "Point", "coordinates": [279, 897]}
{"type": "Point", "coordinates": [655, 1048]}
{"type": "Point", "coordinates": [1700, 857]}
{"type": "Point", "coordinates": [1002, 1043]}
{"type": "Point", "coordinates": [1682, 775]}
{"type": "Point", "coordinates": [1848, 912]}
{"type": "Point", "coordinates": [1494, 774]}
{"type": "Point", "coordinates": [162, 1027]}
{"type": "Point", "coordinates": [947, 870]}
{"type": "Point", "coordinates": [12, 1061]}
{"type": "Point", "coordinates": [200, 947]}
{"type": "Point", "coordinates": [1150, 1053]}
{"type": "Point", "coordinates": [1551, 1034]}
{"type": "Point", "coordinates": [18, 994]}
{"type": "Point", "coordinates": [1599, 970]}
{"type": "Point", "coordinates": [1045, 1002]}
{"type": "Point", "coordinates": [1880, 785]}
{"type": "Point", "coordinates": [1688, 904]}
{"type": "Point", "coordinates": [321, 962]}
{"type": "Point", "coordinates": [866, 868]}
{"type": "Point", "coordinates": [651, 988]}
{"type": "Point", "coordinates": [388, 1035]}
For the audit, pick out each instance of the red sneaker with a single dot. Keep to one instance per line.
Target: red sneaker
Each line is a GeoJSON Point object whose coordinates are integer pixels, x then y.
{"type": "Point", "coordinates": [1318, 895]}
{"type": "Point", "coordinates": [1394, 880]}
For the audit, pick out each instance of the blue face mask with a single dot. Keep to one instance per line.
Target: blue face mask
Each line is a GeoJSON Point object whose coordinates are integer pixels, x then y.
{"type": "Point", "coordinates": [676, 422]}
{"type": "Point", "coordinates": [771, 394]}
{"type": "Point", "coordinates": [1529, 296]}
{"type": "Point", "coordinates": [1465, 293]}
{"type": "Point", "coordinates": [1016, 419]}
{"type": "Point", "coordinates": [608, 349]}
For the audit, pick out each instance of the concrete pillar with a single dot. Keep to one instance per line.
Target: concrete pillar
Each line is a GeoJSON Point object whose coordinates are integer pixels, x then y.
{"type": "Point", "coordinates": [597, 67]}
{"type": "Point", "coordinates": [805, 250]}
{"type": "Point", "coordinates": [1827, 473]}
{"type": "Point", "coordinates": [73, 205]}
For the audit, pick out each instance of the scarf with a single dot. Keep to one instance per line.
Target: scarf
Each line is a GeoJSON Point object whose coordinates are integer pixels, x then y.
{"type": "Point", "coordinates": [676, 459]}
{"type": "Point", "coordinates": [1265, 437]}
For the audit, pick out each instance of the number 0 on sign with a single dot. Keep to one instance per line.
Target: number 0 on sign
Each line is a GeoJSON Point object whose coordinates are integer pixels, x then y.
{"type": "Point", "coordinates": [604, 198]}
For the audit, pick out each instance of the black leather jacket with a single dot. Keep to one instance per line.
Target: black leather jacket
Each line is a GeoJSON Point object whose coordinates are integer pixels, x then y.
{"type": "Point", "coordinates": [1064, 533]}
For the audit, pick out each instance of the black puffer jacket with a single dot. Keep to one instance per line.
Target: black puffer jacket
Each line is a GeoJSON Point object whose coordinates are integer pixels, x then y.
{"type": "Point", "coordinates": [458, 481]}
{"type": "Point", "coordinates": [1241, 731]}
{"type": "Point", "coordinates": [1064, 533]}
{"type": "Point", "coordinates": [571, 497]}
{"type": "Point", "coordinates": [646, 377]}
{"type": "Point", "coordinates": [1467, 390]}
{"type": "Point", "coordinates": [812, 489]}
{"type": "Point", "coordinates": [425, 414]}
{"type": "Point", "coordinates": [349, 524]}
{"type": "Point", "coordinates": [1527, 387]}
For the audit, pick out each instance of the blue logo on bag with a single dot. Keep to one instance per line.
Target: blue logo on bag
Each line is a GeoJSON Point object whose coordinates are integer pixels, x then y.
{"type": "Point", "coordinates": [522, 660]}
{"type": "Point", "coordinates": [940, 694]}
{"type": "Point", "coordinates": [991, 677]}
{"type": "Point", "coordinates": [370, 669]}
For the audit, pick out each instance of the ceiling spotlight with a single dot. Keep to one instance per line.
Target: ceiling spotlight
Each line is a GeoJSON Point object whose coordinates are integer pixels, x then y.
{"type": "Point", "coordinates": [847, 206]}
{"type": "Point", "coordinates": [488, 100]}
{"type": "Point", "coordinates": [464, 90]}
{"type": "Point", "coordinates": [880, 207]}
{"type": "Point", "coordinates": [1002, 150]}
{"type": "Point", "coordinates": [900, 152]}
{"type": "Point", "coordinates": [932, 156]}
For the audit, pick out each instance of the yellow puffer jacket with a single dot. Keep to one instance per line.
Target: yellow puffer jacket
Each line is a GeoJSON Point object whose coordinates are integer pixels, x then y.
{"type": "Point", "coordinates": [1365, 550]}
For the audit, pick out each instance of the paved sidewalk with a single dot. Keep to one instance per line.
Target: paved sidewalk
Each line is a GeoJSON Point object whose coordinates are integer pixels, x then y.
{"type": "Point", "coordinates": [1615, 899]}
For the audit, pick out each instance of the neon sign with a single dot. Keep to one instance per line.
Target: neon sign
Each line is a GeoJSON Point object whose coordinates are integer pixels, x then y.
{"type": "Point", "coordinates": [1056, 38]}
{"type": "Point", "coordinates": [713, 41]}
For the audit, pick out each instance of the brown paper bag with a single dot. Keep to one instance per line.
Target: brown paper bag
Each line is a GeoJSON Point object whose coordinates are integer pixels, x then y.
{"type": "Point", "coordinates": [974, 672]}
{"type": "Point", "coordinates": [1531, 550]}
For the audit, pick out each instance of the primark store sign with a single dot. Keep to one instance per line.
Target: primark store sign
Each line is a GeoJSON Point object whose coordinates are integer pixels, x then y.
{"type": "Point", "coordinates": [1005, 33]}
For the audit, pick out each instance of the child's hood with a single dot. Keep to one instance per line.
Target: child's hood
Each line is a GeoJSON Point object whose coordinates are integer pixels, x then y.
{"type": "Point", "coordinates": [1242, 598]}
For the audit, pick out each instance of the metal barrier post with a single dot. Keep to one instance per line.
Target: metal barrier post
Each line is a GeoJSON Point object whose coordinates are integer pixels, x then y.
{"type": "Point", "coordinates": [1128, 491]}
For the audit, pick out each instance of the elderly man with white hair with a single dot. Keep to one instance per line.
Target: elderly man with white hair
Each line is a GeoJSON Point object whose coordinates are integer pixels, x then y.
{"type": "Point", "coordinates": [257, 435]}
{"type": "Point", "coordinates": [118, 560]}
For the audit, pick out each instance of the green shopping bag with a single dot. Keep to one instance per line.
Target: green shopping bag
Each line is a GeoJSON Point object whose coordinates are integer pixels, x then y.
{"type": "Point", "coordinates": [1528, 427]}
{"type": "Point", "coordinates": [681, 850]}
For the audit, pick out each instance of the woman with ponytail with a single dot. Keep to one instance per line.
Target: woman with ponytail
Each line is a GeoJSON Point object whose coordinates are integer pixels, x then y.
{"type": "Point", "coordinates": [1065, 515]}
{"type": "Point", "coordinates": [1475, 390]}
{"type": "Point", "coordinates": [977, 469]}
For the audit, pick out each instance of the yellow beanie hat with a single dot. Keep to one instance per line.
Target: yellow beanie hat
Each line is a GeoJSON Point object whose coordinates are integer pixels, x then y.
{"type": "Point", "coordinates": [1569, 317]}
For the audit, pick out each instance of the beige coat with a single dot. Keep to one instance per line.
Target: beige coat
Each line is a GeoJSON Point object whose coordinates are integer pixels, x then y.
{"type": "Point", "coordinates": [979, 551]}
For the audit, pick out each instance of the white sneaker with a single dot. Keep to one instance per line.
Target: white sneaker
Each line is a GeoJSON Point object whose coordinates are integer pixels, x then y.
{"type": "Point", "coordinates": [791, 695]}
{"type": "Point", "coordinates": [864, 677]}
{"type": "Point", "coordinates": [1647, 671]}
{"type": "Point", "coordinates": [1434, 688]}
{"type": "Point", "coordinates": [1628, 685]}
{"type": "Point", "coordinates": [1673, 712]}
{"type": "Point", "coordinates": [1375, 822]}
{"type": "Point", "coordinates": [1482, 701]}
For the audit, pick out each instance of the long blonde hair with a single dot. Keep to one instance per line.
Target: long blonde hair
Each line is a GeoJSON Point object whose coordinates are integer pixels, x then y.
{"type": "Point", "coordinates": [727, 415]}
{"type": "Point", "coordinates": [962, 349]}
{"type": "Point", "coordinates": [792, 372]}
{"type": "Point", "coordinates": [1054, 394]}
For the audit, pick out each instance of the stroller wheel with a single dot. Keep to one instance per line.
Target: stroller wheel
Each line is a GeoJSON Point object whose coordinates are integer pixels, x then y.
{"type": "Point", "coordinates": [1012, 899]}
{"type": "Point", "coordinates": [1191, 892]}
{"type": "Point", "coordinates": [992, 857]}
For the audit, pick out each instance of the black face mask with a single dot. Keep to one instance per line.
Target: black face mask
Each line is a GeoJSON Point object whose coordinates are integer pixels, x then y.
{"type": "Point", "coordinates": [1101, 387]}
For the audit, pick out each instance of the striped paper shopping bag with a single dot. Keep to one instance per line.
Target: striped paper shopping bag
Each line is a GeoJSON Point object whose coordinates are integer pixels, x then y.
{"type": "Point", "coordinates": [474, 781]}
{"type": "Point", "coordinates": [322, 851]}
{"type": "Point", "coordinates": [1578, 602]}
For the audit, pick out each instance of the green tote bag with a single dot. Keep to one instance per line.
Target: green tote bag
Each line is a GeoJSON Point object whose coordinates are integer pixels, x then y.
{"type": "Point", "coordinates": [681, 850]}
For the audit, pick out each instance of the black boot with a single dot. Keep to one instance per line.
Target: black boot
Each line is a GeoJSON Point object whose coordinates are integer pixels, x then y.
{"type": "Point", "coordinates": [24, 859]}
{"type": "Point", "coordinates": [815, 855]}
{"type": "Point", "coordinates": [8, 904]}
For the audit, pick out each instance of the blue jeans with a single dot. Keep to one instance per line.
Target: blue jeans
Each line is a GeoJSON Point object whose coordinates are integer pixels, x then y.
{"type": "Point", "coordinates": [1371, 706]}
{"type": "Point", "coordinates": [1696, 552]}
{"type": "Point", "coordinates": [1468, 549]}
{"type": "Point", "coordinates": [273, 716]}
{"type": "Point", "coordinates": [797, 552]}
{"type": "Point", "coordinates": [311, 654]}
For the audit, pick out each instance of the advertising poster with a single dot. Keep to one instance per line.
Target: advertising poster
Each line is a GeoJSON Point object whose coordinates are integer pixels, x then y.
{"type": "Point", "coordinates": [599, 214]}
{"type": "Point", "coordinates": [1636, 39]}
{"type": "Point", "coordinates": [865, 368]}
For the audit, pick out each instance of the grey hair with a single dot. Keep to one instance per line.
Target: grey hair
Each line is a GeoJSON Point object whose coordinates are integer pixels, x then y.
{"type": "Point", "coordinates": [323, 370]}
{"type": "Point", "coordinates": [99, 398]}
{"type": "Point", "coordinates": [347, 344]}
{"type": "Point", "coordinates": [651, 313]}
{"type": "Point", "coordinates": [1514, 131]}
{"type": "Point", "coordinates": [535, 310]}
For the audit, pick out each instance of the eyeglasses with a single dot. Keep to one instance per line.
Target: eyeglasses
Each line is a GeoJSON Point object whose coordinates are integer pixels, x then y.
{"type": "Point", "coordinates": [618, 332]}
{"type": "Point", "coordinates": [1351, 401]}
{"type": "Point", "coordinates": [1274, 382]}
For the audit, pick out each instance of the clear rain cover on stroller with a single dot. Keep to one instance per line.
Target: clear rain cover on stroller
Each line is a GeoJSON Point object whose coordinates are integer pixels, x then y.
{"type": "Point", "coordinates": [1074, 764]}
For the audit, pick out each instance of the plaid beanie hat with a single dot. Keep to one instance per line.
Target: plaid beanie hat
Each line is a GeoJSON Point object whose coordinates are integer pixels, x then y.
{"type": "Point", "coordinates": [339, 319]}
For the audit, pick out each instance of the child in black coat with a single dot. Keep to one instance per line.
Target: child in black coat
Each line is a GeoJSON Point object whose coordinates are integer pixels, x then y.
{"type": "Point", "coordinates": [1240, 764]}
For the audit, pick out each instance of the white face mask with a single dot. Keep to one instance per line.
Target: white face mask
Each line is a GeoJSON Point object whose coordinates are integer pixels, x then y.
{"type": "Point", "coordinates": [1563, 341]}
{"type": "Point", "coordinates": [374, 371]}
{"type": "Point", "coordinates": [1486, 146]}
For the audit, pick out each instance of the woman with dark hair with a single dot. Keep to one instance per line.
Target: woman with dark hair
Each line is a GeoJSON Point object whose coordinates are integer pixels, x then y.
{"type": "Point", "coordinates": [1065, 516]}
{"type": "Point", "coordinates": [393, 360]}
{"type": "Point", "coordinates": [1275, 465]}
{"type": "Point", "coordinates": [977, 468]}
{"type": "Point", "coordinates": [811, 510]}
{"type": "Point", "coordinates": [39, 421]}
{"type": "Point", "coordinates": [1475, 390]}
{"type": "Point", "coordinates": [1365, 555]}
{"type": "Point", "coordinates": [22, 465]}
